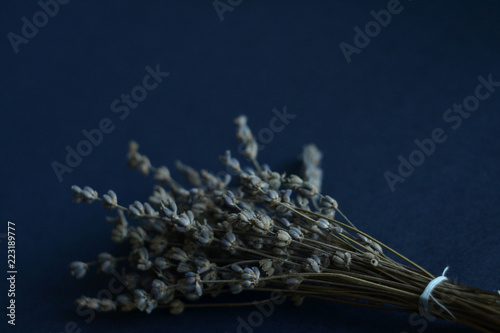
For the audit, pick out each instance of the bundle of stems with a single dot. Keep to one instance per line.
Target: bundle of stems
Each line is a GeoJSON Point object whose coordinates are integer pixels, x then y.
{"type": "Point", "coordinates": [264, 232]}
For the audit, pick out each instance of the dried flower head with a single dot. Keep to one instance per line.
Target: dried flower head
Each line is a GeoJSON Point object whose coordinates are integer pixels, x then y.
{"type": "Point", "coordinates": [78, 269]}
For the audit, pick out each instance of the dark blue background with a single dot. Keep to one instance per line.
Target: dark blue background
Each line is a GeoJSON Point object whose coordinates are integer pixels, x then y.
{"type": "Point", "coordinates": [362, 115]}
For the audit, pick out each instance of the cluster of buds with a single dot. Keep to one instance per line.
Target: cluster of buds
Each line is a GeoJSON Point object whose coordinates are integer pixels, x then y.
{"type": "Point", "coordinates": [184, 236]}
{"type": "Point", "coordinates": [218, 235]}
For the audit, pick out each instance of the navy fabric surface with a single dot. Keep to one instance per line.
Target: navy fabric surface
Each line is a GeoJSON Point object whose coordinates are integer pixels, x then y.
{"type": "Point", "coordinates": [365, 111]}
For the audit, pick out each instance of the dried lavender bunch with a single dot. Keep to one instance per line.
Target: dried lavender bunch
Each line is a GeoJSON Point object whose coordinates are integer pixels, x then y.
{"type": "Point", "coordinates": [268, 232]}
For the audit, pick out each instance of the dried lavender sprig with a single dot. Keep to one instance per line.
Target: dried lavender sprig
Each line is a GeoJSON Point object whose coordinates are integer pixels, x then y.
{"type": "Point", "coordinates": [311, 159]}
{"type": "Point", "coordinates": [245, 135]}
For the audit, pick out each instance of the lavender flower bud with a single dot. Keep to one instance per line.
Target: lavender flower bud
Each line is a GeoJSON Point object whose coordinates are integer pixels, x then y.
{"type": "Point", "coordinates": [158, 245]}
{"type": "Point", "coordinates": [262, 224]}
{"type": "Point", "coordinates": [296, 234]}
{"type": "Point", "coordinates": [192, 277]}
{"type": "Point", "coordinates": [229, 242]}
{"type": "Point", "coordinates": [203, 265]}
{"type": "Point", "coordinates": [185, 221]}
{"type": "Point", "coordinates": [285, 222]}
{"type": "Point", "coordinates": [137, 237]}
{"type": "Point", "coordinates": [293, 182]}
{"type": "Point", "coordinates": [312, 265]}
{"type": "Point", "coordinates": [192, 176]}
{"type": "Point", "coordinates": [328, 206]}
{"type": "Point", "coordinates": [162, 175]}
{"type": "Point", "coordinates": [267, 266]}
{"type": "Point", "coordinates": [236, 288]}
{"type": "Point", "coordinates": [183, 267]}
{"type": "Point", "coordinates": [283, 239]}
{"type": "Point", "coordinates": [296, 299]}
{"type": "Point", "coordinates": [328, 202]}
{"type": "Point", "coordinates": [257, 184]}
{"type": "Point", "coordinates": [176, 306]}
{"type": "Point", "coordinates": [107, 261]}
{"type": "Point", "coordinates": [178, 254]}
{"type": "Point", "coordinates": [302, 201]}
{"type": "Point", "coordinates": [308, 190]}
{"type": "Point", "coordinates": [244, 218]}
{"type": "Point", "coordinates": [364, 240]}
{"type": "Point", "coordinates": [87, 194]}
{"type": "Point", "coordinates": [119, 233]}
{"type": "Point", "coordinates": [293, 282]}
{"type": "Point", "coordinates": [375, 246]}
{"type": "Point", "coordinates": [107, 305]}
{"type": "Point", "coordinates": [250, 277]}
{"type": "Point", "coordinates": [140, 258]}
{"type": "Point", "coordinates": [229, 199]}
{"type": "Point", "coordinates": [169, 209]}
{"type": "Point", "coordinates": [110, 200]}
{"type": "Point", "coordinates": [125, 303]}
{"type": "Point", "coordinates": [285, 195]}
{"type": "Point", "coordinates": [140, 299]}
{"type": "Point", "coordinates": [78, 269]}
{"type": "Point", "coordinates": [323, 224]}
{"type": "Point", "coordinates": [272, 197]}
{"type": "Point", "coordinates": [159, 195]}
{"type": "Point", "coordinates": [205, 236]}
{"type": "Point", "coordinates": [273, 179]}
{"type": "Point", "coordinates": [230, 162]}
{"type": "Point", "coordinates": [237, 268]}
{"type": "Point", "coordinates": [136, 209]}
{"type": "Point", "coordinates": [159, 289]}
{"type": "Point", "coordinates": [251, 150]}
{"type": "Point", "coordinates": [161, 263]}
{"type": "Point", "coordinates": [149, 211]}
{"type": "Point", "coordinates": [136, 160]}
{"type": "Point", "coordinates": [256, 242]}
{"type": "Point", "coordinates": [245, 135]}
{"type": "Point", "coordinates": [131, 281]}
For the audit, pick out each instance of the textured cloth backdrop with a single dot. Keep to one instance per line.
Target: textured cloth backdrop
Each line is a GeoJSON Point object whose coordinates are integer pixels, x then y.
{"type": "Point", "coordinates": [403, 98]}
